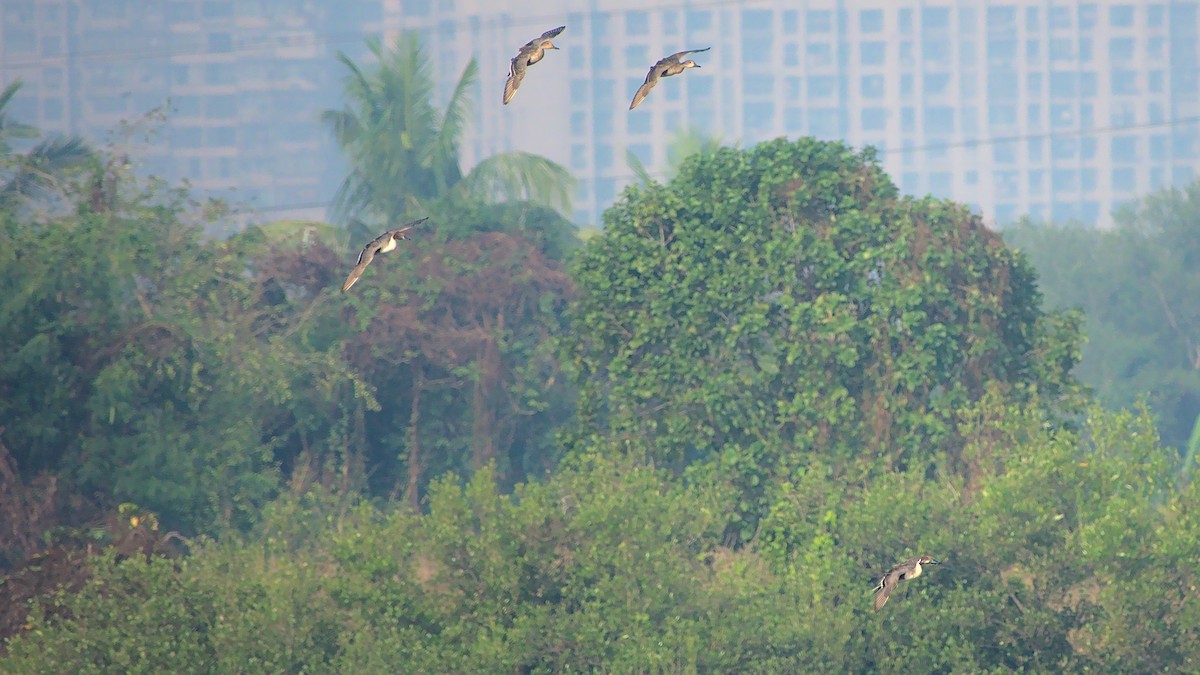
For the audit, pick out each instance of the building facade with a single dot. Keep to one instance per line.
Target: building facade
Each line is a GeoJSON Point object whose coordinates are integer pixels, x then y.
{"type": "Point", "coordinates": [1058, 110]}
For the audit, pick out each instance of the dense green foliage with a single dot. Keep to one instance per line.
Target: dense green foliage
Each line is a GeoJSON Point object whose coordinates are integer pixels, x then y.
{"type": "Point", "coordinates": [784, 304]}
{"type": "Point", "coordinates": [783, 377]}
{"type": "Point", "coordinates": [1070, 554]}
{"type": "Point", "coordinates": [1137, 284]}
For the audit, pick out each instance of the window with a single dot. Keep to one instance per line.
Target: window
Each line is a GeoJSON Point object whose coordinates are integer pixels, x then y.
{"type": "Point", "coordinates": [908, 119]}
{"type": "Point", "coordinates": [602, 57]}
{"type": "Point", "coordinates": [670, 22]}
{"type": "Point", "coordinates": [637, 56]}
{"type": "Point", "coordinates": [1062, 84]}
{"type": "Point", "coordinates": [606, 190]}
{"type": "Point", "coordinates": [637, 23]}
{"type": "Point", "coordinates": [759, 116]}
{"type": "Point", "coordinates": [700, 87]}
{"type": "Point", "coordinates": [579, 89]}
{"type": "Point", "coordinates": [1064, 180]}
{"type": "Point", "coordinates": [644, 153]}
{"type": "Point", "coordinates": [935, 18]}
{"type": "Point", "coordinates": [1037, 181]}
{"type": "Point", "coordinates": [1004, 153]}
{"type": "Point", "coordinates": [1033, 49]}
{"type": "Point", "coordinates": [1087, 84]}
{"type": "Point", "coordinates": [1033, 20]}
{"type": "Point", "coordinates": [791, 87]}
{"type": "Point", "coordinates": [1120, 49]}
{"type": "Point", "coordinates": [1063, 148]}
{"type": "Point", "coordinates": [822, 86]}
{"type": "Point", "coordinates": [758, 85]}
{"type": "Point", "coordinates": [1158, 147]}
{"type": "Point", "coordinates": [1087, 180]}
{"type": "Point", "coordinates": [219, 43]}
{"type": "Point", "coordinates": [873, 53]}
{"type": "Point", "coordinates": [1033, 84]}
{"type": "Point", "coordinates": [699, 20]}
{"type": "Point", "coordinates": [940, 119]}
{"type": "Point", "coordinates": [1002, 51]}
{"type": "Point", "coordinates": [874, 119]}
{"type": "Point", "coordinates": [904, 19]}
{"type": "Point", "coordinates": [873, 86]}
{"type": "Point", "coordinates": [1002, 115]}
{"type": "Point", "coordinates": [968, 85]}
{"type": "Point", "coordinates": [1124, 149]}
{"type": "Point", "coordinates": [578, 156]}
{"type": "Point", "coordinates": [1060, 17]}
{"type": "Point", "coordinates": [186, 137]}
{"type": "Point", "coordinates": [1061, 49]}
{"type": "Point", "coordinates": [756, 51]}
{"type": "Point", "coordinates": [1002, 85]}
{"type": "Point", "coordinates": [819, 21]}
{"type": "Point", "coordinates": [906, 85]}
{"type": "Point", "coordinates": [1120, 16]}
{"type": "Point", "coordinates": [791, 54]}
{"type": "Point", "coordinates": [791, 22]}
{"type": "Point", "coordinates": [1156, 47]}
{"type": "Point", "coordinates": [1033, 116]}
{"type": "Point", "coordinates": [1124, 82]}
{"type": "Point", "coordinates": [1155, 15]}
{"type": "Point", "coordinates": [758, 20]}
{"type": "Point", "coordinates": [604, 156]}
{"type": "Point", "coordinates": [1087, 15]}
{"type": "Point", "coordinates": [1002, 19]}
{"type": "Point", "coordinates": [222, 136]}
{"type": "Point", "coordinates": [602, 121]}
{"type": "Point", "coordinates": [1090, 212]}
{"type": "Point", "coordinates": [1124, 180]}
{"type": "Point", "coordinates": [52, 109]}
{"type": "Point", "coordinates": [1155, 81]}
{"type": "Point", "coordinates": [825, 122]}
{"type": "Point", "coordinates": [870, 20]}
{"type": "Point", "coordinates": [936, 83]}
{"type": "Point", "coordinates": [941, 184]}
{"type": "Point", "coordinates": [578, 123]}
{"type": "Point", "coordinates": [820, 54]}
{"type": "Point", "coordinates": [966, 19]}
{"type": "Point", "coordinates": [793, 119]}
{"type": "Point", "coordinates": [222, 107]}
{"type": "Point", "coordinates": [639, 122]}
{"type": "Point", "coordinates": [1062, 115]}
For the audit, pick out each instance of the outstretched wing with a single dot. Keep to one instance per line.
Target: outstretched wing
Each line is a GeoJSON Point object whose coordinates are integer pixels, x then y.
{"type": "Point", "coordinates": [883, 590]}
{"type": "Point", "coordinates": [678, 56]}
{"type": "Point", "coordinates": [516, 73]}
{"type": "Point", "coordinates": [364, 259]}
{"type": "Point", "coordinates": [550, 34]}
{"type": "Point", "coordinates": [651, 80]}
{"type": "Point", "coordinates": [407, 226]}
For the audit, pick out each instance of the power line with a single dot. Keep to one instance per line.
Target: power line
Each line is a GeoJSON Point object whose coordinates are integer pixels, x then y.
{"type": "Point", "coordinates": [500, 21]}
{"type": "Point", "coordinates": [978, 142]}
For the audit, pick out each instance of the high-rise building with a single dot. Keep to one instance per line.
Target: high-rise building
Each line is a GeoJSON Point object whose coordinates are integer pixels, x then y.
{"type": "Point", "coordinates": [1059, 110]}
{"type": "Point", "coordinates": [242, 83]}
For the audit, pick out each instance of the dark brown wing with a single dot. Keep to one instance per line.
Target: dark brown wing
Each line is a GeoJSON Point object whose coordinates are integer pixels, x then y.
{"type": "Point", "coordinates": [516, 73]}
{"type": "Point", "coordinates": [886, 585]}
{"type": "Point", "coordinates": [677, 56]}
{"type": "Point", "coordinates": [651, 80]}
{"type": "Point", "coordinates": [550, 34]}
{"type": "Point", "coordinates": [364, 259]}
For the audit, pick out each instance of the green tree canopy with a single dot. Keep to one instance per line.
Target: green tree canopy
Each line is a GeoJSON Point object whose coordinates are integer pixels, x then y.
{"type": "Point", "coordinates": [1137, 284]}
{"type": "Point", "coordinates": [784, 302]}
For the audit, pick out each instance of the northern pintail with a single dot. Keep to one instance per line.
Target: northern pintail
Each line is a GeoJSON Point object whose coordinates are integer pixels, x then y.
{"type": "Point", "coordinates": [909, 569]}
{"type": "Point", "coordinates": [531, 53]}
{"type": "Point", "coordinates": [384, 243]}
{"type": "Point", "coordinates": [665, 67]}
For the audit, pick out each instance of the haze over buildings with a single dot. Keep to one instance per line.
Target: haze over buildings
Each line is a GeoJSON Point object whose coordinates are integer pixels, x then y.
{"type": "Point", "coordinates": [1060, 110]}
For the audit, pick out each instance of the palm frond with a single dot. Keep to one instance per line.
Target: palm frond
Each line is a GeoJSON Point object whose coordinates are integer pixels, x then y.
{"type": "Point", "coordinates": [516, 176]}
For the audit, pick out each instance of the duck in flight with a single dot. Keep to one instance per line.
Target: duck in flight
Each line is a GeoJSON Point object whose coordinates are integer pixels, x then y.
{"type": "Point", "coordinates": [909, 569]}
{"type": "Point", "coordinates": [531, 53]}
{"type": "Point", "coordinates": [666, 67]}
{"type": "Point", "coordinates": [384, 243]}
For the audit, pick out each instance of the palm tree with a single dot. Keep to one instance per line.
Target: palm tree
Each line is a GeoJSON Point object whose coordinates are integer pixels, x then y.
{"type": "Point", "coordinates": [35, 173]}
{"type": "Point", "coordinates": [404, 153]}
{"type": "Point", "coordinates": [684, 143]}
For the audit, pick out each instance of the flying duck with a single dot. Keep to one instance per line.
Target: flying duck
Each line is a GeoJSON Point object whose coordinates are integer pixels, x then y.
{"type": "Point", "coordinates": [384, 243]}
{"type": "Point", "coordinates": [665, 67]}
{"type": "Point", "coordinates": [909, 569]}
{"type": "Point", "coordinates": [531, 53]}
